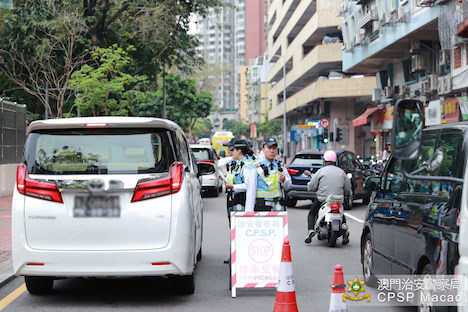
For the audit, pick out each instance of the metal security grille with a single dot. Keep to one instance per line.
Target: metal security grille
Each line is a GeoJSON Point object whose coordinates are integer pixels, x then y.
{"type": "Point", "coordinates": [13, 131]}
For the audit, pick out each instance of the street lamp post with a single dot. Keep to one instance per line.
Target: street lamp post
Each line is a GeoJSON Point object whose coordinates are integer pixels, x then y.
{"type": "Point", "coordinates": [285, 141]}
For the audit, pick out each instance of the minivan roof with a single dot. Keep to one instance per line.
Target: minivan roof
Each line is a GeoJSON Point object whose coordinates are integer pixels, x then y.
{"type": "Point", "coordinates": [459, 124]}
{"type": "Point", "coordinates": [111, 122]}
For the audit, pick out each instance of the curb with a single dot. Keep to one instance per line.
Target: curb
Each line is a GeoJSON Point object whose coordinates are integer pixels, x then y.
{"type": "Point", "coordinates": [6, 277]}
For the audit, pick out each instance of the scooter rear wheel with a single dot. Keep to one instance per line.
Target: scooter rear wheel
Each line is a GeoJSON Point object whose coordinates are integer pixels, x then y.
{"type": "Point", "coordinates": [332, 238]}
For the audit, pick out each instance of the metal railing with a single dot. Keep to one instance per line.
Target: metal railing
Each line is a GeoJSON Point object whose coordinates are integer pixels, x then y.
{"type": "Point", "coordinates": [13, 131]}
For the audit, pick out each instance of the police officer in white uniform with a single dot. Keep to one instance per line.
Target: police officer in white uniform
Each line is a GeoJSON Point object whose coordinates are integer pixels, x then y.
{"type": "Point", "coordinates": [266, 179]}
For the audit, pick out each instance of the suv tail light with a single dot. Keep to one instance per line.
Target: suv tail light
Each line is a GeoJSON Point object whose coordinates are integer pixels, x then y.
{"type": "Point", "coordinates": [335, 208]}
{"type": "Point", "coordinates": [36, 188]}
{"type": "Point", "coordinates": [161, 187]}
{"type": "Point", "coordinates": [292, 171]}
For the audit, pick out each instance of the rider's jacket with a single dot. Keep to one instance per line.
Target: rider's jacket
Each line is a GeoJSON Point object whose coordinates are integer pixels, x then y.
{"type": "Point", "coordinates": [328, 180]}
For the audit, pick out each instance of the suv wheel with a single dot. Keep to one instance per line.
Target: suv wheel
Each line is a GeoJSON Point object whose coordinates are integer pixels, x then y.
{"type": "Point", "coordinates": [185, 284]}
{"type": "Point", "coordinates": [39, 285]}
{"type": "Point", "coordinates": [367, 262]}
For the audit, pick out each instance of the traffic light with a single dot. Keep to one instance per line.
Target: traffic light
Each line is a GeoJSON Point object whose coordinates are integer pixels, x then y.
{"type": "Point", "coordinates": [325, 136]}
{"type": "Point", "coordinates": [339, 134]}
{"type": "Point", "coordinates": [375, 139]}
{"type": "Point", "coordinates": [331, 137]}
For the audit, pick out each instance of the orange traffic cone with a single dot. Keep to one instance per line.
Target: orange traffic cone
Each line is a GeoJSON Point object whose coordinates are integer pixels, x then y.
{"type": "Point", "coordinates": [338, 289]}
{"type": "Point", "coordinates": [286, 291]}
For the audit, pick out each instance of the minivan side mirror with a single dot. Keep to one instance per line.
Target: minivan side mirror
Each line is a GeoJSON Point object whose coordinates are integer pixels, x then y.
{"type": "Point", "coordinates": [407, 129]}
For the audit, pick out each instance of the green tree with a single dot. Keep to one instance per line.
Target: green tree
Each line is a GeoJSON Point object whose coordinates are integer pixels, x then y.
{"type": "Point", "coordinates": [201, 128]}
{"type": "Point", "coordinates": [184, 104]}
{"type": "Point", "coordinates": [104, 86]}
{"type": "Point", "coordinates": [237, 127]}
{"type": "Point", "coordinates": [270, 128]}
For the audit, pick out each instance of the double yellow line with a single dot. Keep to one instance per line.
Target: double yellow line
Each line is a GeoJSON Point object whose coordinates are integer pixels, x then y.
{"type": "Point", "coordinates": [12, 296]}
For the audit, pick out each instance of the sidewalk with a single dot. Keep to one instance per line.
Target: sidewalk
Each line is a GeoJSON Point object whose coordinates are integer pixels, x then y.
{"type": "Point", "coordinates": [6, 265]}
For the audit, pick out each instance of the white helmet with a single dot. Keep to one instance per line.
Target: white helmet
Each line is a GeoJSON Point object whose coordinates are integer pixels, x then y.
{"type": "Point", "coordinates": [329, 156]}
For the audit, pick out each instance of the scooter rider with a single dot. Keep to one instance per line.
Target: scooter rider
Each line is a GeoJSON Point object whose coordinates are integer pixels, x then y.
{"type": "Point", "coordinates": [328, 180]}
{"type": "Point", "coordinates": [266, 180]}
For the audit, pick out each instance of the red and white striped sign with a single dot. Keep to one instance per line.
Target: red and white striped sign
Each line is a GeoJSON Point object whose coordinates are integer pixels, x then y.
{"type": "Point", "coordinates": [256, 246]}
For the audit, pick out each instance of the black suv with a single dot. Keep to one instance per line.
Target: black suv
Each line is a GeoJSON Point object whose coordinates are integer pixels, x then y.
{"type": "Point", "coordinates": [313, 161]}
{"type": "Point", "coordinates": [411, 225]}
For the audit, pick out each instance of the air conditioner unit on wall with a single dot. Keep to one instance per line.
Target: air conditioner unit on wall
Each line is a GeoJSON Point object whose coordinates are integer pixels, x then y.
{"type": "Point", "coordinates": [388, 91]}
{"type": "Point", "coordinates": [359, 38]}
{"type": "Point", "coordinates": [444, 58]}
{"type": "Point", "coordinates": [387, 18]}
{"type": "Point", "coordinates": [400, 15]}
{"type": "Point", "coordinates": [433, 81]}
{"type": "Point", "coordinates": [417, 63]}
{"type": "Point", "coordinates": [448, 83]}
{"type": "Point", "coordinates": [402, 90]}
{"type": "Point", "coordinates": [441, 85]}
{"type": "Point", "coordinates": [375, 26]}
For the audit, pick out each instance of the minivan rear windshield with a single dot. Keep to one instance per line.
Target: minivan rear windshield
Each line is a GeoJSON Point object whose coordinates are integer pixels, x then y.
{"type": "Point", "coordinates": [99, 151]}
{"type": "Point", "coordinates": [307, 160]}
{"type": "Point", "coordinates": [202, 153]}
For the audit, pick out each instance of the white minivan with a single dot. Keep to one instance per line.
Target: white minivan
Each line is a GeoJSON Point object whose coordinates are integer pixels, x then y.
{"type": "Point", "coordinates": [106, 197]}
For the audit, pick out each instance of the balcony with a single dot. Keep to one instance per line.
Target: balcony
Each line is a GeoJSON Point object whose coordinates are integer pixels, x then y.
{"type": "Point", "coordinates": [367, 19]}
{"type": "Point", "coordinates": [354, 87]}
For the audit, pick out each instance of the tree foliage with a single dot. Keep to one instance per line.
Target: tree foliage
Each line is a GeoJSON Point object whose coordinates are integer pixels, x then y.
{"type": "Point", "coordinates": [106, 88]}
{"type": "Point", "coordinates": [269, 128]}
{"type": "Point", "coordinates": [44, 41]}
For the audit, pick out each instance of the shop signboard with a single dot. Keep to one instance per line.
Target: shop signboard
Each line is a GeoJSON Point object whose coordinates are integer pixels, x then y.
{"type": "Point", "coordinates": [463, 102]}
{"type": "Point", "coordinates": [449, 110]}
{"type": "Point", "coordinates": [387, 122]}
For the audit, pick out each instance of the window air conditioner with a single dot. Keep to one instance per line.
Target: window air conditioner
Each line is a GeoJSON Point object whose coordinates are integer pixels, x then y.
{"type": "Point", "coordinates": [417, 63]}
{"type": "Point", "coordinates": [448, 83]}
{"type": "Point", "coordinates": [443, 58]}
{"type": "Point", "coordinates": [433, 81]}
{"type": "Point", "coordinates": [375, 26]}
{"type": "Point", "coordinates": [400, 15]}
{"type": "Point", "coordinates": [441, 85]}
{"type": "Point", "coordinates": [387, 18]}
{"type": "Point", "coordinates": [388, 92]}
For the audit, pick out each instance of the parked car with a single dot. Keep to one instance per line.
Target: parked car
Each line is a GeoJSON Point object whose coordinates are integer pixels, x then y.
{"type": "Point", "coordinates": [106, 197]}
{"type": "Point", "coordinates": [412, 225]}
{"type": "Point", "coordinates": [207, 161]}
{"type": "Point", "coordinates": [312, 161]}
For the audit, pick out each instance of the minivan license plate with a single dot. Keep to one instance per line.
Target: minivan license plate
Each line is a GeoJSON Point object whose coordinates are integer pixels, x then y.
{"type": "Point", "coordinates": [96, 207]}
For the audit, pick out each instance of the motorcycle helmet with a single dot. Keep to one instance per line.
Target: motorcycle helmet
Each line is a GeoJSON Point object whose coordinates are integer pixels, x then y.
{"type": "Point", "coordinates": [329, 156]}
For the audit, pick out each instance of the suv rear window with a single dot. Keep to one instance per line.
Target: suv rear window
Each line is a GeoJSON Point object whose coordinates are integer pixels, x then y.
{"type": "Point", "coordinates": [203, 153]}
{"type": "Point", "coordinates": [307, 160]}
{"type": "Point", "coordinates": [99, 151]}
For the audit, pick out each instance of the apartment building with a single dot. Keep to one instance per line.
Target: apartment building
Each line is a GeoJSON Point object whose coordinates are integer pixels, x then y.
{"type": "Point", "coordinates": [305, 38]}
{"type": "Point", "coordinates": [417, 50]}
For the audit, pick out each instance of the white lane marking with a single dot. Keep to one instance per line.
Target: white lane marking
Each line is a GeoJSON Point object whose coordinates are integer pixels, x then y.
{"type": "Point", "coordinates": [354, 218]}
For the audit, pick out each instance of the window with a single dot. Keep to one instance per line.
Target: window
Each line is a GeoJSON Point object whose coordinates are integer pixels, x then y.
{"type": "Point", "coordinates": [428, 145]}
{"type": "Point", "coordinates": [457, 57]}
{"type": "Point", "coordinates": [394, 182]}
{"type": "Point", "coordinates": [184, 151]}
{"type": "Point", "coordinates": [99, 151]}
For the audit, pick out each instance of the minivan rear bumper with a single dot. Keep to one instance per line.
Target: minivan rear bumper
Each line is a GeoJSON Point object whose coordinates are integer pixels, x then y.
{"type": "Point", "coordinates": [300, 194]}
{"type": "Point", "coordinates": [176, 259]}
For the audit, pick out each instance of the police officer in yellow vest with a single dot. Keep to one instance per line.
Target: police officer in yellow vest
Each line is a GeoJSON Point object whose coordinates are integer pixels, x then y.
{"type": "Point", "coordinates": [266, 180]}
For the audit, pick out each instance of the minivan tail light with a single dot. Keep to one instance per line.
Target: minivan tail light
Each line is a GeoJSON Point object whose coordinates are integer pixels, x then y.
{"type": "Point", "coordinates": [207, 161]}
{"type": "Point", "coordinates": [292, 171]}
{"type": "Point", "coordinates": [160, 187]}
{"type": "Point", "coordinates": [36, 188]}
{"type": "Point", "coordinates": [335, 208]}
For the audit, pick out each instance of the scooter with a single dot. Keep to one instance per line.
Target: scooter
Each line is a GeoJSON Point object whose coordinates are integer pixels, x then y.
{"type": "Point", "coordinates": [329, 225]}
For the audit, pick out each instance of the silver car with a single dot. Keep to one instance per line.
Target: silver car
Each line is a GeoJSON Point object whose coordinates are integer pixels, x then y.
{"type": "Point", "coordinates": [207, 161]}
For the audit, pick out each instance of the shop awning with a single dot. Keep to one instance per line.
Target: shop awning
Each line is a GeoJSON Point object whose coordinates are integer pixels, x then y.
{"type": "Point", "coordinates": [362, 120]}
